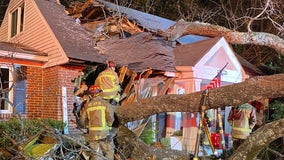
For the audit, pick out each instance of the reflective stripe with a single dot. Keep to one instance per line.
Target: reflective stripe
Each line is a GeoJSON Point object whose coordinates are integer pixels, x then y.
{"type": "Point", "coordinates": [103, 115]}
{"type": "Point", "coordinates": [242, 129]}
{"type": "Point", "coordinates": [99, 128]}
{"type": "Point", "coordinates": [110, 76]}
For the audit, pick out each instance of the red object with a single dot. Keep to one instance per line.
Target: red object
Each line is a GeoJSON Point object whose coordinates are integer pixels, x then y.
{"type": "Point", "coordinates": [95, 89]}
{"type": "Point", "coordinates": [170, 121]}
{"type": "Point", "coordinates": [189, 120]}
{"type": "Point", "coordinates": [216, 140]}
{"type": "Point", "coordinates": [215, 82]}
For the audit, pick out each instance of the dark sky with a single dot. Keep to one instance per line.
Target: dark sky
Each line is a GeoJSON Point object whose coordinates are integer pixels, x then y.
{"type": "Point", "coordinates": [3, 7]}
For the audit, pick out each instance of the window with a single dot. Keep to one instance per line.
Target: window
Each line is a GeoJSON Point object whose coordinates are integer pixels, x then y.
{"type": "Point", "coordinates": [4, 87]}
{"type": "Point", "coordinates": [4, 84]}
{"type": "Point", "coordinates": [19, 98]}
{"type": "Point", "coordinates": [12, 90]}
{"type": "Point", "coordinates": [17, 21]}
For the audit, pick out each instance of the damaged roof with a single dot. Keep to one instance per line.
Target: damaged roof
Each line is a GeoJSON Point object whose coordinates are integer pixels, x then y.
{"type": "Point", "coordinates": [139, 52]}
{"type": "Point", "coordinates": [75, 40]}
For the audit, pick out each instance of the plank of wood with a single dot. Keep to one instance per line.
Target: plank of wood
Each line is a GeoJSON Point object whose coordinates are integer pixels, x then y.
{"type": "Point", "coordinates": [166, 86]}
{"type": "Point", "coordinates": [129, 85]}
{"type": "Point", "coordinates": [129, 99]}
{"type": "Point", "coordinates": [122, 73]}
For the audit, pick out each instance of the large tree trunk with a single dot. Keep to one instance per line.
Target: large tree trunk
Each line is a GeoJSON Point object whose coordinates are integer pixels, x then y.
{"type": "Point", "coordinates": [232, 95]}
{"type": "Point", "coordinates": [131, 146]}
{"type": "Point", "coordinates": [252, 89]}
{"type": "Point", "coordinates": [258, 140]}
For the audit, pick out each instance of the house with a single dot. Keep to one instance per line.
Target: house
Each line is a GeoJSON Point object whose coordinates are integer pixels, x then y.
{"type": "Point", "coordinates": [197, 61]}
{"type": "Point", "coordinates": [51, 48]}
{"type": "Point", "coordinates": [41, 39]}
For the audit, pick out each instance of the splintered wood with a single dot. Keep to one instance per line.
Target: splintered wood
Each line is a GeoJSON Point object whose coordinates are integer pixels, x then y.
{"type": "Point", "coordinates": [95, 17]}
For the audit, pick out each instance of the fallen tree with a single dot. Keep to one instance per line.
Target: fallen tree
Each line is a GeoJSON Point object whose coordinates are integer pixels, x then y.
{"type": "Point", "coordinates": [182, 28]}
{"type": "Point", "coordinates": [252, 89]}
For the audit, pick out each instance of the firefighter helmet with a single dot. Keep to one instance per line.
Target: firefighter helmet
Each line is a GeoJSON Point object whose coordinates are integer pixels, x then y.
{"type": "Point", "coordinates": [95, 90]}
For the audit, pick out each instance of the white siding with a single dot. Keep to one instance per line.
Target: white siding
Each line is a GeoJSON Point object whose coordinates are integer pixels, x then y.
{"type": "Point", "coordinates": [36, 33]}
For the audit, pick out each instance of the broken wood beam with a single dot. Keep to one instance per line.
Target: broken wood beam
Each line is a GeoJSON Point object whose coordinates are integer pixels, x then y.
{"type": "Point", "coordinates": [122, 73]}
{"type": "Point", "coordinates": [129, 85]}
{"type": "Point", "coordinates": [166, 86]}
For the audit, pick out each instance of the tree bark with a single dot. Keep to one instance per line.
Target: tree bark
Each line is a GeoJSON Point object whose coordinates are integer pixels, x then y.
{"type": "Point", "coordinates": [258, 140]}
{"type": "Point", "coordinates": [252, 89]}
{"type": "Point", "coordinates": [182, 28]}
{"type": "Point", "coordinates": [236, 94]}
{"type": "Point", "coordinates": [131, 146]}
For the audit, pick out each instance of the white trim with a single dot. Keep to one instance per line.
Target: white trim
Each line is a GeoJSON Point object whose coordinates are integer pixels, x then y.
{"type": "Point", "coordinates": [65, 109]}
{"type": "Point", "coordinates": [25, 56]}
{"type": "Point", "coordinates": [19, 9]}
{"type": "Point", "coordinates": [10, 94]}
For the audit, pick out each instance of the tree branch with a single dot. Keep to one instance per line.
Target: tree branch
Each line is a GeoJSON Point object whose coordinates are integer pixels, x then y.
{"type": "Point", "coordinates": [182, 28]}
{"type": "Point", "coordinates": [232, 95]}
{"type": "Point", "coordinates": [258, 140]}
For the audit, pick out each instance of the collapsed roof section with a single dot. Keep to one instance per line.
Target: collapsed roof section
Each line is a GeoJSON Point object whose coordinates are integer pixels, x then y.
{"type": "Point", "coordinates": [111, 26]}
{"type": "Point", "coordinates": [140, 51]}
{"type": "Point", "coordinates": [121, 39]}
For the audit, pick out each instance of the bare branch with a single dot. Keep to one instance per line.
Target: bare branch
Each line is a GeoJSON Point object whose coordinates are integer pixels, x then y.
{"type": "Point", "coordinates": [257, 16]}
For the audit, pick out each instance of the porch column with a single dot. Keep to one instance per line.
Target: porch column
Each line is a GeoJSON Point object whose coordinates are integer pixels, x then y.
{"type": "Point", "coordinates": [190, 120]}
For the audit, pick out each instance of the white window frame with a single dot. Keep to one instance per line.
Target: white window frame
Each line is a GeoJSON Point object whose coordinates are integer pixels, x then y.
{"type": "Point", "coordinates": [9, 110]}
{"type": "Point", "coordinates": [20, 20]}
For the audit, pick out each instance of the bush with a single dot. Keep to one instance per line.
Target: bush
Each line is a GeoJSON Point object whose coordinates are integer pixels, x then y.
{"type": "Point", "coordinates": [148, 135]}
{"type": "Point", "coordinates": [21, 130]}
{"type": "Point", "coordinates": [278, 107]}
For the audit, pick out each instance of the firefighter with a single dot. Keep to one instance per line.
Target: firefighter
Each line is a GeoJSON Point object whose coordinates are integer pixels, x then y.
{"type": "Point", "coordinates": [100, 117]}
{"type": "Point", "coordinates": [108, 81]}
{"type": "Point", "coordinates": [242, 119]}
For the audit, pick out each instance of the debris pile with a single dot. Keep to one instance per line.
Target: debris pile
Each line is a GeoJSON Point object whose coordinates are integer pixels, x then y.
{"type": "Point", "coordinates": [102, 21]}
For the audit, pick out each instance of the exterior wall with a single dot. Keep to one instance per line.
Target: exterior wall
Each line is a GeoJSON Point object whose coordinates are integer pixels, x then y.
{"type": "Point", "coordinates": [65, 75]}
{"type": "Point", "coordinates": [185, 85]}
{"type": "Point", "coordinates": [36, 33]}
{"type": "Point", "coordinates": [34, 92]}
{"type": "Point", "coordinates": [4, 25]}
{"type": "Point", "coordinates": [44, 92]}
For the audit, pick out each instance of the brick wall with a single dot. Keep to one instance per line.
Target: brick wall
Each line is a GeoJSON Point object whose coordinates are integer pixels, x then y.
{"type": "Point", "coordinates": [66, 74]}
{"type": "Point", "coordinates": [34, 92]}
{"type": "Point", "coordinates": [44, 87]}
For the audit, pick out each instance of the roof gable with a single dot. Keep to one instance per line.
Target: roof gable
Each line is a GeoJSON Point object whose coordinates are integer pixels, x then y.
{"type": "Point", "coordinates": [75, 40]}
{"type": "Point", "coordinates": [190, 54]}
{"type": "Point", "coordinates": [35, 33]}
{"type": "Point", "coordinates": [215, 58]}
{"type": "Point", "coordinates": [48, 28]}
